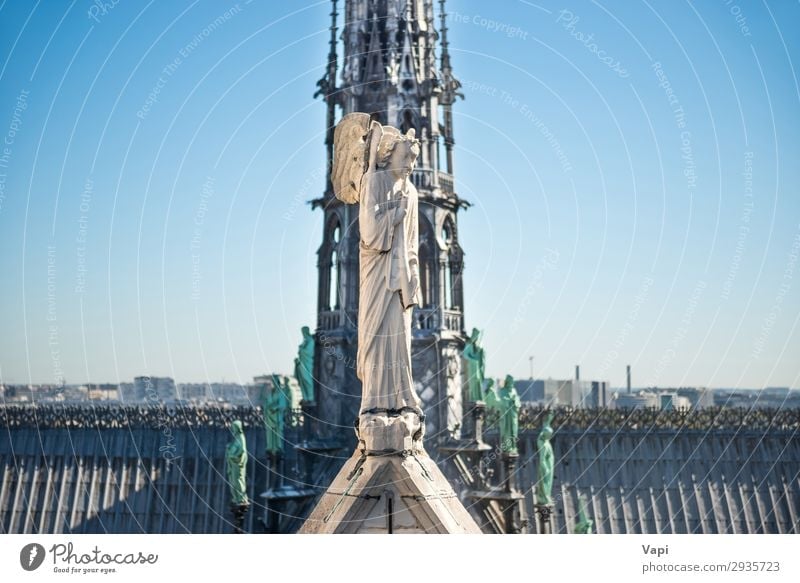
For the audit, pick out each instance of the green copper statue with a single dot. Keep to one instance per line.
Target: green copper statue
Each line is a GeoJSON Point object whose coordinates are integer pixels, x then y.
{"type": "Point", "coordinates": [585, 524]}
{"type": "Point", "coordinates": [475, 366]}
{"type": "Point", "coordinates": [544, 484]}
{"type": "Point", "coordinates": [236, 465]}
{"type": "Point", "coordinates": [508, 404]}
{"type": "Point", "coordinates": [304, 366]}
{"type": "Point", "coordinates": [277, 404]}
{"type": "Point", "coordinates": [489, 388]}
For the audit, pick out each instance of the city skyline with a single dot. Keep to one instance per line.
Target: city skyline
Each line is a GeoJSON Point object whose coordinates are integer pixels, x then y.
{"type": "Point", "coordinates": [522, 379]}
{"type": "Point", "coordinates": [642, 210]}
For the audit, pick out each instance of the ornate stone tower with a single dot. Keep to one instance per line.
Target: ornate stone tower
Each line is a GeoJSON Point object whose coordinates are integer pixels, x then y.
{"type": "Point", "coordinates": [391, 71]}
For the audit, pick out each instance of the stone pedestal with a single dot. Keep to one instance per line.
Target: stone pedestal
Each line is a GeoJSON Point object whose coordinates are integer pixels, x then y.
{"type": "Point", "coordinates": [469, 455]}
{"type": "Point", "coordinates": [503, 506]}
{"type": "Point", "coordinates": [474, 425]}
{"type": "Point", "coordinates": [514, 510]}
{"type": "Point", "coordinates": [390, 485]}
{"type": "Point", "coordinates": [238, 511]}
{"type": "Point", "coordinates": [472, 463]}
{"type": "Point", "coordinates": [276, 470]}
{"type": "Point", "coordinates": [544, 512]}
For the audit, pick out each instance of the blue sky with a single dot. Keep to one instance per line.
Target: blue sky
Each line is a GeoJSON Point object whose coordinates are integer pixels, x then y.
{"type": "Point", "coordinates": [635, 193]}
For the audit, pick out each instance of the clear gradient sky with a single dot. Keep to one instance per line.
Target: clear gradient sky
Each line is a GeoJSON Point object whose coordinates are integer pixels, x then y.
{"type": "Point", "coordinates": [635, 191]}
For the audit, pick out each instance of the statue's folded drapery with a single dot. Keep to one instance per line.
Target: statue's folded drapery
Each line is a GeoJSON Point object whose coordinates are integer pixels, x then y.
{"type": "Point", "coordinates": [236, 464]}
{"type": "Point", "coordinates": [389, 288]}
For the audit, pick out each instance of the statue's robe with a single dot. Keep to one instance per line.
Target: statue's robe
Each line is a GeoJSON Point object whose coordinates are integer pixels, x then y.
{"type": "Point", "coordinates": [304, 369]}
{"type": "Point", "coordinates": [474, 360]}
{"type": "Point", "coordinates": [507, 404]}
{"type": "Point", "coordinates": [276, 404]}
{"type": "Point", "coordinates": [236, 458]}
{"type": "Point", "coordinates": [544, 484]}
{"type": "Point", "coordinates": [509, 427]}
{"type": "Point", "coordinates": [388, 292]}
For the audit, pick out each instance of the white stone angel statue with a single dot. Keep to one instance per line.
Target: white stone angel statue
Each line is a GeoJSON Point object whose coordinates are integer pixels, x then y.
{"type": "Point", "coordinates": [372, 166]}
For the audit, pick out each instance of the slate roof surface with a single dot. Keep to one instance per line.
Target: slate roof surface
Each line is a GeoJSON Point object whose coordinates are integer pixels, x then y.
{"type": "Point", "coordinates": [62, 476]}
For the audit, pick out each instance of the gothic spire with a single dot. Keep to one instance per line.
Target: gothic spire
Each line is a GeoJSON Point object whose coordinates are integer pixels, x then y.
{"type": "Point", "coordinates": [449, 91]}
{"type": "Point", "coordinates": [450, 85]}
{"type": "Point", "coordinates": [326, 88]}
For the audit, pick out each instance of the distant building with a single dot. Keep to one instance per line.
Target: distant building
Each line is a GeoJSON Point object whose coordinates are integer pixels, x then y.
{"type": "Point", "coordinates": [781, 392]}
{"type": "Point", "coordinates": [573, 393]}
{"type": "Point", "coordinates": [771, 397]}
{"type": "Point", "coordinates": [152, 389]}
{"type": "Point", "coordinates": [125, 392]}
{"type": "Point", "coordinates": [699, 397]}
{"type": "Point", "coordinates": [599, 393]}
{"type": "Point", "coordinates": [670, 401]}
{"type": "Point", "coordinates": [102, 392]}
{"type": "Point", "coordinates": [34, 393]}
{"type": "Point", "coordinates": [19, 393]}
{"type": "Point", "coordinates": [530, 390]}
{"type": "Point", "coordinates": [219, 392]}
{"type": "Point", "coordinates": [557, 392]}
{"type": "Point", "coordinates": [193, 391]}
{"type": "Point", "coordinates": [641, 400]}
{"type": "Point", "coordinates": [665, 400]}
{"type": "Point", "coordinates": [255, 395]}
{"type": "Point", "coordinates": [228, 392]}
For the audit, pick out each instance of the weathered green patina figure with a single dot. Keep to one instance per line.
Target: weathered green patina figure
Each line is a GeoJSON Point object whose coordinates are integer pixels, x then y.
{"type": "Point", "coordinates": [304, 366]}
{"type": "Point", "coordinates": [277, 404]}
{"type": "Point", "coordinates": [585, 523]}
{"type": "Point", "coordinates": [544, 484]}
{"type": "Point", "coordinates": [507, 403]}
{"type": "Point", "coordinates": [475, 365]}
{"type": "Point", "coordinates": [236, 464]}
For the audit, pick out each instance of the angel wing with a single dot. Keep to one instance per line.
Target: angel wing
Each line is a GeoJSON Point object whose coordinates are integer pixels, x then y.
{"type": "Point", "coordinates": [350, 156]}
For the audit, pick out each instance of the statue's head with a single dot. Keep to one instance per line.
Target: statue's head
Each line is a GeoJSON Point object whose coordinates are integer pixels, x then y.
{"type": "Point", "coordinates": [237, 428]}
{"type": "Point", "coordinates": [508, 383]}
{"type": "Point", "coordinates": [397, 152]}
{"type": "Point", "coordinates": [305, 330]}
{"type": "Point", "coordinates": [354, 151]}
{"type": "Point", "coordinates": [476, 334]}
